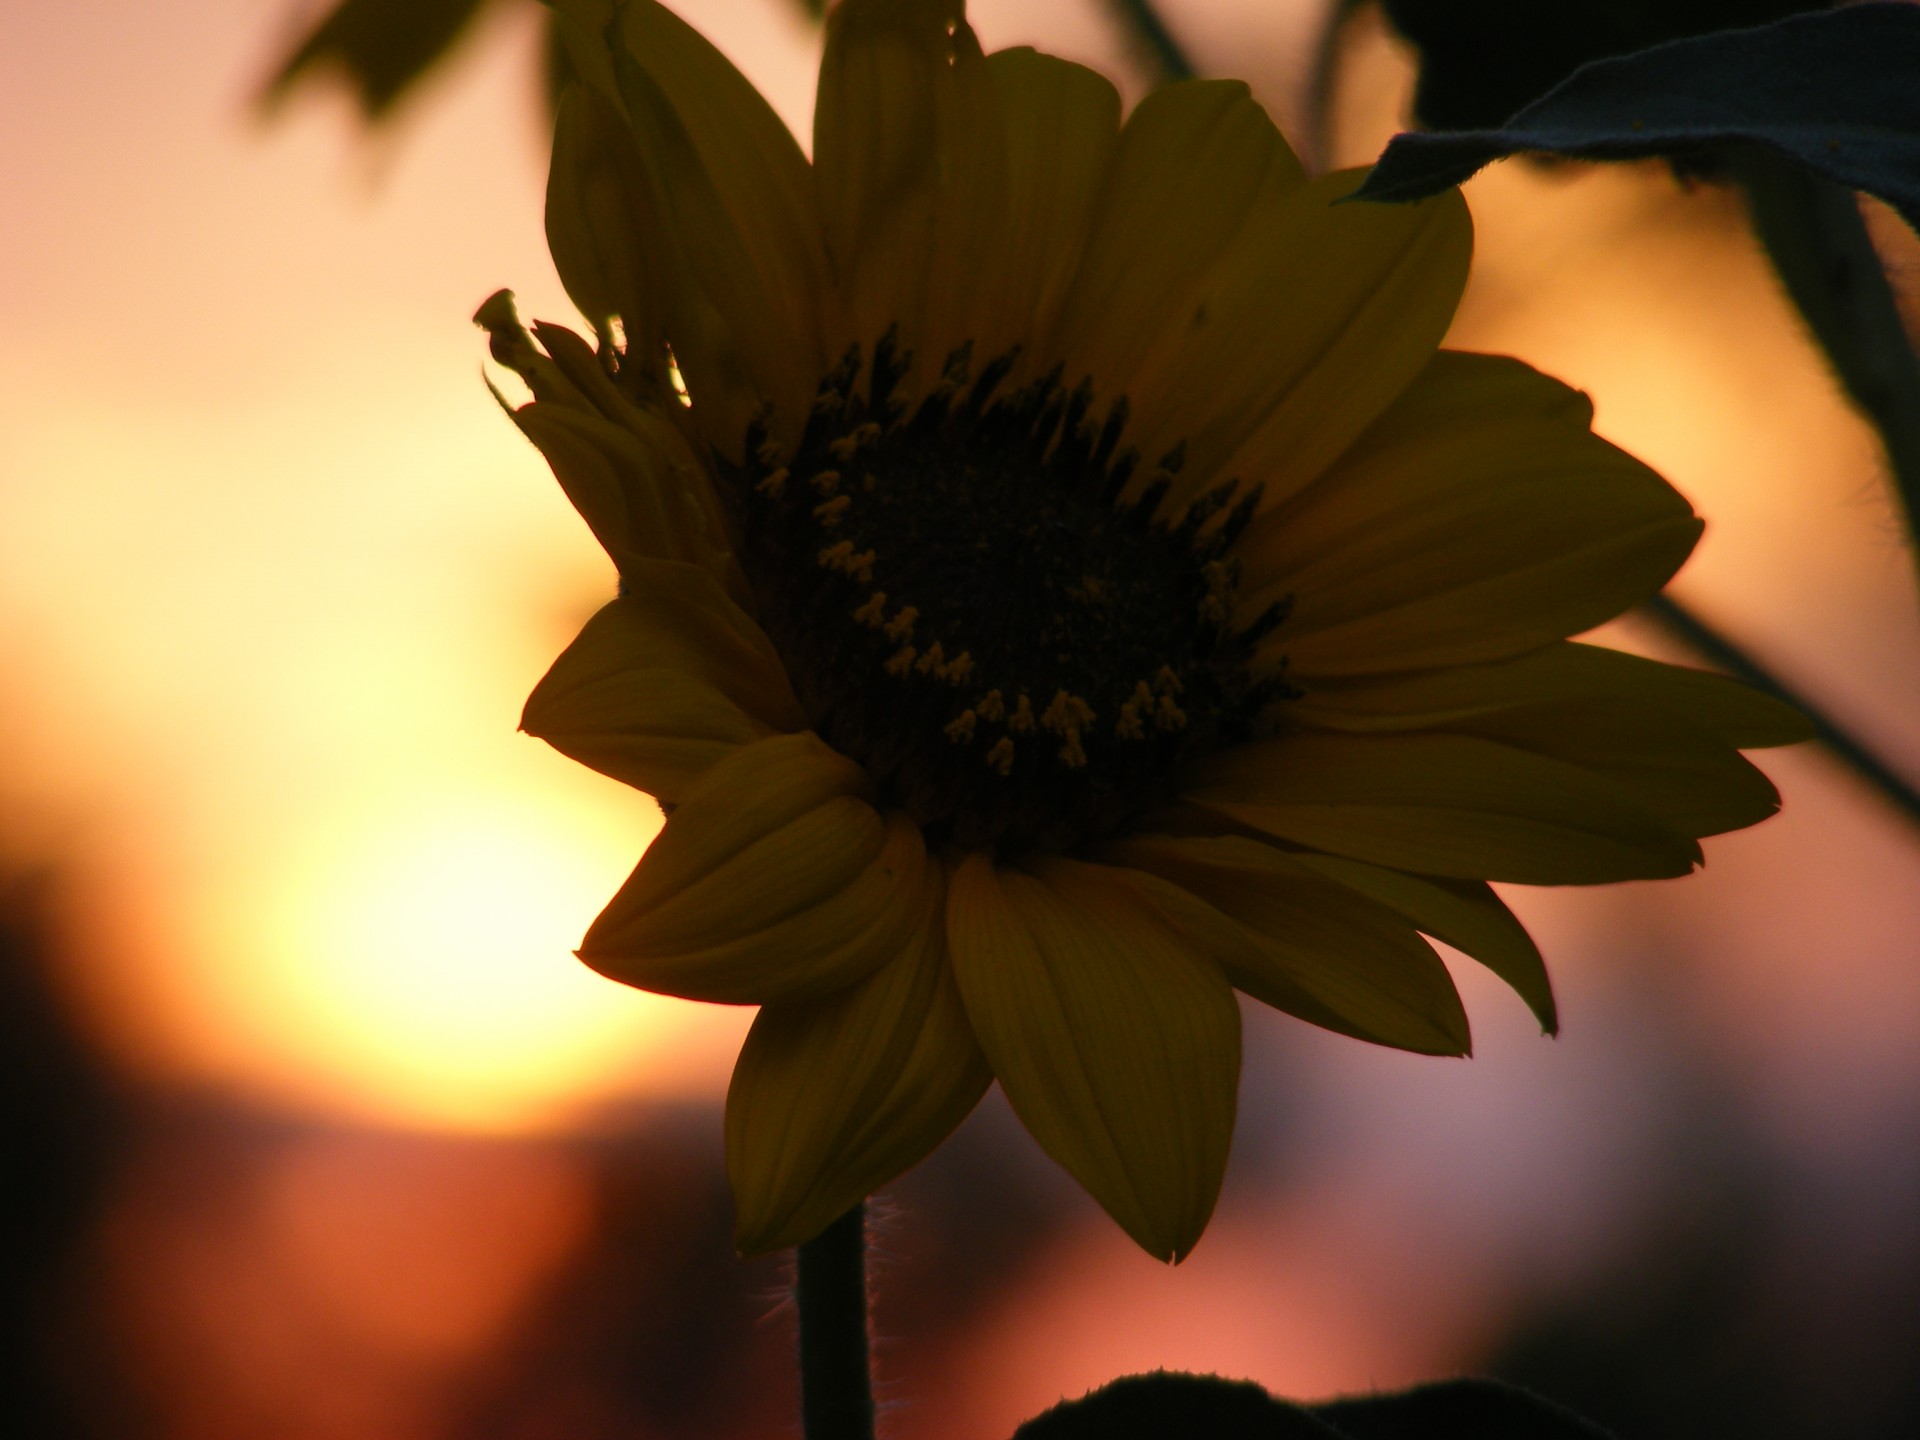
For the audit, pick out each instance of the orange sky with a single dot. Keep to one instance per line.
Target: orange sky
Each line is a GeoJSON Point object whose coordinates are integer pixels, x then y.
{"type": "Point", "coordinates": [275, 577]}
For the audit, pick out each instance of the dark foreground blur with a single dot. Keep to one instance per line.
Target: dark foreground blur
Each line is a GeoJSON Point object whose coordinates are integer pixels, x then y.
{"type": "Point", "coordinates": [181, 1265]}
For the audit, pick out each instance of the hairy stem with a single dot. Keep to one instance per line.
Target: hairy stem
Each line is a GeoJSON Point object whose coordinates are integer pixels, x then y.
{"type": "Point", "coordinates": [836, 1386]}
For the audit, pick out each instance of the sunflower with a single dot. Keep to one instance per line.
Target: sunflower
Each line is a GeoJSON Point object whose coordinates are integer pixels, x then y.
{"type": "Point", "coordinates": [1062, 583]}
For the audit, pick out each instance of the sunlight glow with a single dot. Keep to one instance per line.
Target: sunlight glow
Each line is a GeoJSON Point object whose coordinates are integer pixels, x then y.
{"type": "Point", "coordinates": [269, 618]}
{"type": "Point", "coordinates": [427, 952]}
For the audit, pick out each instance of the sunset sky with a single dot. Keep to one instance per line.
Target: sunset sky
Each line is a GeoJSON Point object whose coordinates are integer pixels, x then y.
{"type": "Point", "coordinates": [276, 575]}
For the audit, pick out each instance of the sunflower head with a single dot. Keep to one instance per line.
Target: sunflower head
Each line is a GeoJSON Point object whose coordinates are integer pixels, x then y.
{"type": "Point", "coordinates": [1062, 583]}
{"type": "Point", "coordinates": [979, 600]}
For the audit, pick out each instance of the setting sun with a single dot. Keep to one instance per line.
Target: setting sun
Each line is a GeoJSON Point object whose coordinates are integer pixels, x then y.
{"type": "Point", "coordinates": [427, 951]}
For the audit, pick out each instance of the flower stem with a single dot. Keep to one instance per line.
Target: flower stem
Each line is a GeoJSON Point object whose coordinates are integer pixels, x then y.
{"type": "Point", "coordinates": [1322, 76]}
{"type": "Point", "coordinates": [1723, 654]}
{"type": "Point", "coordinates": [836, 1387]}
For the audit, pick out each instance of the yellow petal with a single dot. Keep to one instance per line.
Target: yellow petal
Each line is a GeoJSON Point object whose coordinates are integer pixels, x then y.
{"type": "Point", "coordinates": [1117, 1044]}
{"type": "Point", "coordinates": [600, 223]}
{"type": "Point", "coordinates": [1059, 122]}
{"type": "Point", "coordinates": [1320, 315]}
{"type": "Point", "coordinates": [1290, 939]}
{"type": "Point", "coordinates": [735, 247]}
{"type": "Point", "coordinates": [952, 276]}
{"type": "Point", "coordinates": [757, 167]}
{"type": "Point", "coordinates": [910, 159]}
{"type": "Point", "coordinates": [1662, 735]}
{"type": "Point", "coordinates": [586, 371]}
{"type": "Point", "coordinates": [1195, 164]}
{"type": "Point", "coordinates": [636, 484]}
{"type": "Point", "coordinates": [1564, 673]}
{"type": "Point", "coordinates": [834, 1097]}
{"type": "Point", "coordinates": [1452, 805]}
{"type": "Point", "coordinates": [1690, 781]}
{"type": "Point", "coordinates": [1477, 519]}
{"type": "Point", "coordinates": [1465, 914]}
{"type": "Point", "coordinates": [662, 684]}
{"type": "Point", "coordinates": [774, 880]}
{"type": "Point", "coordinates": [876, 118]}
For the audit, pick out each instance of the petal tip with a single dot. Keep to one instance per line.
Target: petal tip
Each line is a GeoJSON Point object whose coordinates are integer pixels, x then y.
{"type": "Point", "coordinates": [750, 1241]}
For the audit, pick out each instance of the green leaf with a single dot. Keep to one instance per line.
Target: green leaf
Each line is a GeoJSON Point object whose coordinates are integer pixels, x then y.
{"type": "Point", "coordinates": [381, 48]}
{"type": "Point", "coordinates": [1833, 92]}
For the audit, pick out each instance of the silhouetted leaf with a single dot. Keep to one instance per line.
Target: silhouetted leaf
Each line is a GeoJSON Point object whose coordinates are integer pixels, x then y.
{"type": "Point", "coordinates": [1481, 60]}
{"type": "Point", "coordinates": [1167, 1405]}
{"type": "Point", "coordinates": [1456, 1410]}
{"type": "Point", "coordinates": [1170, 1406]}
{"type": "Point", "coordinates": [380, 47]}
{"type": "Point", "coordinates": [1837, 92]}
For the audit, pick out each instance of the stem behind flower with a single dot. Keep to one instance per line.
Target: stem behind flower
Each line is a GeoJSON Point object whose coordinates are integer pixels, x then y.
{"type": "Point", "coordinates": [836, 1387]}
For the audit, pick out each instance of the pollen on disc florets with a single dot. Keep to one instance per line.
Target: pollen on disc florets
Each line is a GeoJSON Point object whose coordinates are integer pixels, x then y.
{"type": "Point", "coordinates": [980, 599]}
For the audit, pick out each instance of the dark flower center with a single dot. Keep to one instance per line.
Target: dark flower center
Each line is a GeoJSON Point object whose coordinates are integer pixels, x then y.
{"type": "Point", "coordinates": [980, 600]}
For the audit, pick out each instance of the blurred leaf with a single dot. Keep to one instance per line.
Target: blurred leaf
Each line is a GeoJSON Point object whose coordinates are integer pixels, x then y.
{"type": "Point", "coordinates": [383, 48]}
{"type": "Point", "coordinates": [1170, 1406]}
{"type": "Point", "coordinates": [380, 47]}
{"type": "Point", "coordinates": [1481, 60]}
{"type": "Point", "coordinates": [1834, 92]}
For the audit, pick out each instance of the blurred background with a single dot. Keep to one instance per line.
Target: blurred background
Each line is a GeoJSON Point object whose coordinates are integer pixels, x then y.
{"type": "Point", "coordinates": [313, 1128]}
